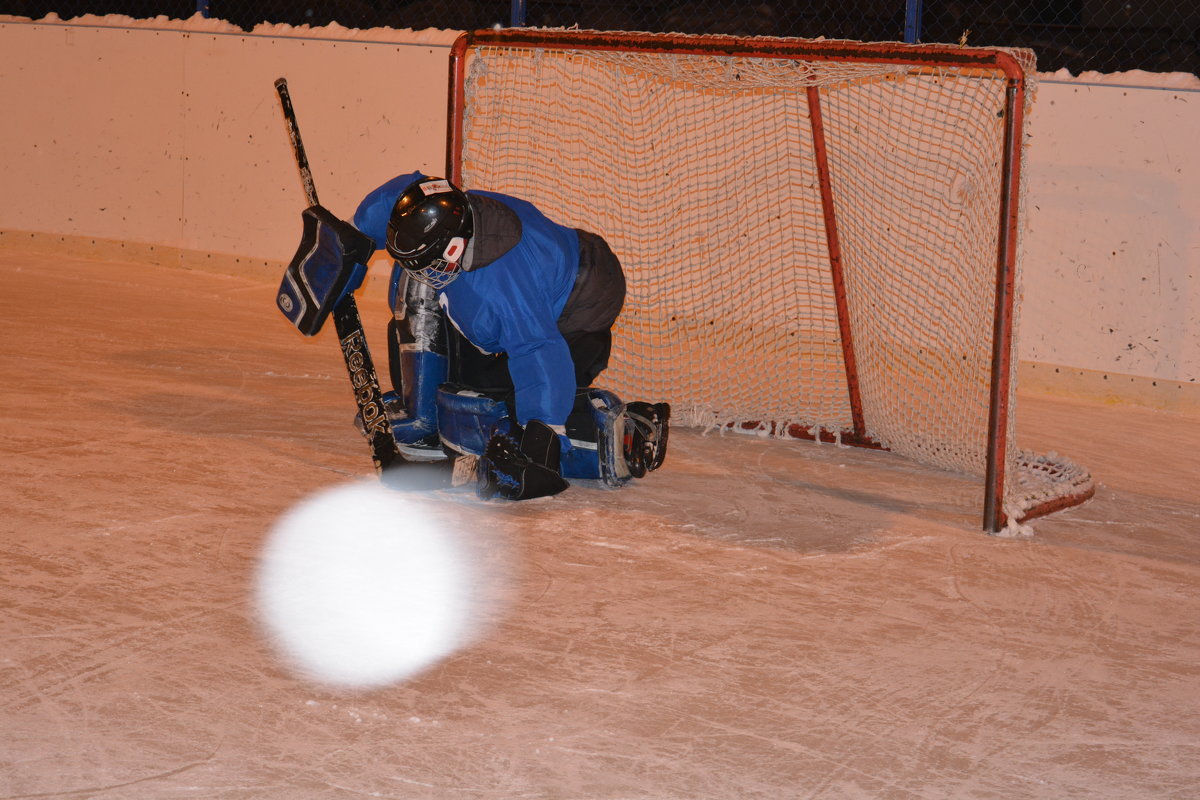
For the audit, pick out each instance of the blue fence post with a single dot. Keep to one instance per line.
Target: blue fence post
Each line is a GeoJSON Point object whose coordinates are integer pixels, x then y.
{"type": "Point", "coordinates": [518, 14]}
{"type": "Point", "coordinates": [202, 8]}
{"type": "Point", "coordinates": [912, 21]}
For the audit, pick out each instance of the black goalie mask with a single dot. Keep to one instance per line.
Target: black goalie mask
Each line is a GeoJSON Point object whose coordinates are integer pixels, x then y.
{"type": "Point", "coordinates": [428, 230]}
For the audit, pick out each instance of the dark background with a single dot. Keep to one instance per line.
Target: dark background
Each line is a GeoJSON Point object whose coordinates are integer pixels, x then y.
{"type": "Point", "coordinates": [1102, 35]}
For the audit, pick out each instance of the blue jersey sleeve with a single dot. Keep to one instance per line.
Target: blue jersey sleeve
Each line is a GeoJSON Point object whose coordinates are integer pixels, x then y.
{"type": "Point", "coordinates": [543, 375]}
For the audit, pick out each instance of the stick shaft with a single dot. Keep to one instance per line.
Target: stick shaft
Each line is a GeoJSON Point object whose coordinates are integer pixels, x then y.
{"type": "Point", "coordinates": [289, 116]}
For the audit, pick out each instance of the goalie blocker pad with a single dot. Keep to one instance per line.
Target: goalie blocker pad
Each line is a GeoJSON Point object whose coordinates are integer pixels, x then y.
{"type": "Point", "coordinates": [329, 264]}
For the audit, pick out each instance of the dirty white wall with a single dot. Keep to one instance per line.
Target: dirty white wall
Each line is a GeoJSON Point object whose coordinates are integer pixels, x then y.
{"type": "Point", "coordinates": [166, 137]}
{"type": "Point", "coordinates": [167, 133]}
{"type": "Point", "coordinates": [1112, 256]}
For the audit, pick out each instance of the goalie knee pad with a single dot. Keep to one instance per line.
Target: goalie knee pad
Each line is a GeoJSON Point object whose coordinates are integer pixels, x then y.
{"type": "Point", "coordinates": [466, 419]}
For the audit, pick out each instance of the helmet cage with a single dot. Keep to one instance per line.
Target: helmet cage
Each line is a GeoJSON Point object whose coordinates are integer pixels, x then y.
{"type": "Point", "coordinates": [440, 271]}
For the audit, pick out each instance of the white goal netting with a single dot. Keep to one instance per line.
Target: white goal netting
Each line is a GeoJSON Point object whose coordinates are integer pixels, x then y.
{"type": "Point", "coordinates": [701, 171]}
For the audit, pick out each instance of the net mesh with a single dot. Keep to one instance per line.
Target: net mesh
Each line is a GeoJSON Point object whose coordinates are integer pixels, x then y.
{"type": "Point", "coordinates": [700, 171]}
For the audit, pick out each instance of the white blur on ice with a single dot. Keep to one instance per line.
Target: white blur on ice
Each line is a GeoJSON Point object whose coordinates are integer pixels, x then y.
{"type": "Point", "coordinates": [361, 587]}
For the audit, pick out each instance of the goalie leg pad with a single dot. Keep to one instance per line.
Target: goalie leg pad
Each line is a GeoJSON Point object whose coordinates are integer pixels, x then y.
{"type": "Point", "coordinates": [609, 414]}
{"type": "Point", "coordinates": [413, 414]}
{"type": "Point", "coordinates": [414, 419]}
{"type": "Point", "coordinates": [422, 371]}
{"type": "Point", "coordinates": [606, 440]}
{"type": "Point", "coordinates": [417, 356]}
{"type": "Point", "coordinates": [612, 441]}
{"type": "Point", "coordinates": [632, 438]}
{"type": "Point", "coordinates": [466, 419]}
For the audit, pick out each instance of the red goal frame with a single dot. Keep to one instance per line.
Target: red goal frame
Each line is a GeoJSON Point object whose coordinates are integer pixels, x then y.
{"type": "Point", "coordinates": [945, 56]}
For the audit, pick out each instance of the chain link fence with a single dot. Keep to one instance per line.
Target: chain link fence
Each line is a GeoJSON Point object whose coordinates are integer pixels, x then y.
{"type": "Point", "coordinates": [1079, 35]}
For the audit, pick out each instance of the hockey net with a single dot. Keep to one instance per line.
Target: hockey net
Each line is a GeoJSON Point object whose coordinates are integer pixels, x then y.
{"type": "Point", "coordinates": [819, 238]}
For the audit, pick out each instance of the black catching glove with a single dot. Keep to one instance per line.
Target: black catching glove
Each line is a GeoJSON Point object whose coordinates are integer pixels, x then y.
{"type": "Point", "coordinates": [521, 470]}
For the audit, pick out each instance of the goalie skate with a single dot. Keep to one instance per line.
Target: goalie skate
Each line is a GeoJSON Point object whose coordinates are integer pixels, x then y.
{"type": "Point", "coordinates": [644, 444]}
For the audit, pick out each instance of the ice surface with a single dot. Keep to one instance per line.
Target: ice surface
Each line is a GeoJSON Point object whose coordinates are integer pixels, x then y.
{"type": "Point", "coordinates": [758, 619]}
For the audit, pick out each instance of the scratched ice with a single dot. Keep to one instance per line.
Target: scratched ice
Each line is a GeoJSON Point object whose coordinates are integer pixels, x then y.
{"type": "Point", "coordinates": [757, 619]}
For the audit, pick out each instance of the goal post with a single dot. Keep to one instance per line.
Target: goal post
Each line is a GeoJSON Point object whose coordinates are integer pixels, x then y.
{"type": "Point", "coordinates": [821, 238]}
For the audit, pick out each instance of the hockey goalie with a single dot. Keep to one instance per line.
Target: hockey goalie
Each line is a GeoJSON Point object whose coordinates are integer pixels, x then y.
{"type": "Point", "coordinates": [501, 323]}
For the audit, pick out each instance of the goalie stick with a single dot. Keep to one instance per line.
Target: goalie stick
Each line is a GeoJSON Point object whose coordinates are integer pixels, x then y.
{"type": "Point", "coordinates": [348, 323]}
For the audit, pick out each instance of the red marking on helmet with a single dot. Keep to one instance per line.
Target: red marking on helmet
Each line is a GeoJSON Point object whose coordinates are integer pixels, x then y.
{"type": "Point", "coordinates": [454, 250]}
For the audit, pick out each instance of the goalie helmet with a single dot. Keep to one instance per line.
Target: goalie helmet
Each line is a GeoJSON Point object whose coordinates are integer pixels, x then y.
{"type": "Point", "coordinates": [428, 231]}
